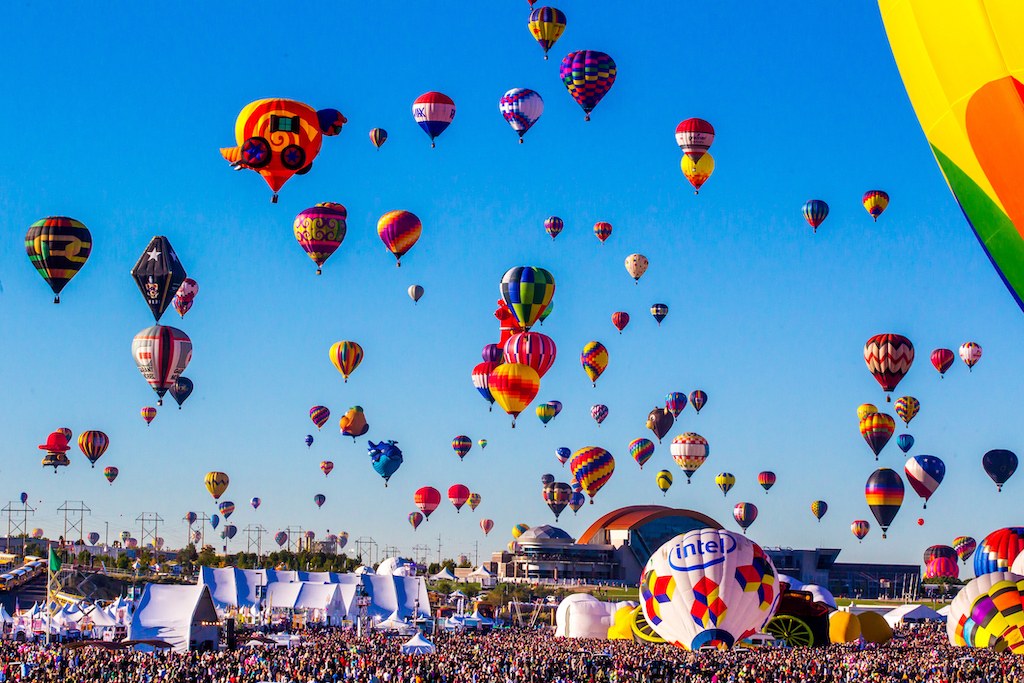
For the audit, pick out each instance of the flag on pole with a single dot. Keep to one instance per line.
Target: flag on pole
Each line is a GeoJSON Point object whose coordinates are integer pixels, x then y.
{"type": "Point", "coordinates": [54, 561]}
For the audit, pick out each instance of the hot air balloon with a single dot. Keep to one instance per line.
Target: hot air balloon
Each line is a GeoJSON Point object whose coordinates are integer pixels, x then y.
{"type": "Point", "coordinates": [185, 296]}
{"type": "Point", "coordinates": [766, 480]}
{"type": "Point", "coordinates": [217, 484]}
{"type": "Point", "coordinates": [905, 442]}
{"type": "Point", "coordinates": [999, 465]}
{"type": "Point", "coordinates": [162, 353]}
{"type": "Point", "coordinates": [482, 443]}
{"type": "Point", "coordinates": [546, 24]}
{"type": "Point", "coordinates": [877, 429]}
{"type": "Point", "coordinates": [458, 495]}
{"type": "Point", "coordinates": [599, 413]}
{"type": "Point", "coordinates": [433, 111]}
{"type": "Point", "coordinates": [148, 414]}
{"type": "Point", "coordinates": [697, 399]}
{"type": "Point", "coordinates": [664, 481]}
{"type": "Point", "coordinates": [58, 247]}
{"type": "Point", "coordinates": [255, 502]}
{"type": "Point", "coordinates": [860, 529]}
{"type": "Point", "coordinates": [24, 498]}
{"type": "Point", "coordinates": [280, 538]}
{"type": "Point", "coordinates": [326, 466]}
{"type": "Point", "coordinates": [942, 567]}
{"type": "Point", "coordinates": [378, 136]}
{"type": "Point", "coordinates": [942, 359]}
{"type": "Point", "coordinates": [906, 408]}
{"type": "Point", "coordinates": [319, 499]}
{"type": "Point", "coordinates": [473, 500]}
{"type": "Point", "coordinates": [280, 138]}
{"type": "Point", "coordinates": [214, 520]}
{"type": "Point", "coordinates": [557, 496]}
{"type": "Point", "coordinates": [319, 415]}
{"type": "Point", "coordinates": [925, 473]}
{"type": "Point", "coordinates": [158, 274]}
{"type": "Point", "coordinates": [229, 531]}
{"type": "Point", "coordinates": [93, 445]}
{"type": "Point", "coordinates": [819, 508]}
{"type": "Point", "coordinates": [815, 212]}
{"type": "Point", "coordinates": [888, 357]}
{"type": "Point", "coordinates": [492, 353]}
{"type": "Point", "coordinates": [56, 446]}
{"type": "Point", "coordinates": [415, 519]}
{"type": "Point", "coordinates": [462, 444]}
{"type": "Point", "coordinates": [588, 76]}
{"type": "Point", "coordinates": [694, 137]}
{"type": "Point", "coordinates": [346, 357]}
{"type": "Point", "coordinates": [399, 231]}
{"type": "Point", "coordinates": [226, 508]}
{"type": "Point", "coordinates": [659, 311]}
{"type": "Point", "coordinates": [660, 421]}
{"type": "Point", "coordinates": [110, 473]}
{"type": "Point", "coordinates": [875, 202]}
{"type": "Point", "coordinates": [520, 529]}
{"type": "Point", "coordinates": [641, 450]}
{"type": "Point", "coordinates": [594, 359]}
{"type": "Point", "coordinates": [865, 409]}
{"type": "Point", "coordinates": [936, 551]}
{"type": "Point", "coordinates": [970, 353]}
{"type": "Point", "coordinates": [321, 230]}
{"type": "Point", "coordinates": [593, 466]}
{"type": "Point", "coordinates": [603, 230]}
{"type": "Point", "coordinates": [636, 266]}
{"type": "Point", "coordinates": [964, 547]}
{"type": "Point", "coordinates": [514, 386]}
{"type": "Point", "coordinates": [546, 479]}
{"type": "Point", "coordinates": [998, 550]}
{"type": "Point", "coordinates": [531, 348]}
{"type": "Point", "coordinates": [353, 423]}
{"type": "Point", "coordinates": [415, 293]}
{"type": "Point", "coordinates": [563, 454]}
{"type": "Point", "coordinates": [553, 226]}
{"type": "Point", "coordinates": [690, 450]}
{"type": "Point", "coordinates": [546, 312]}
{"type": "Point", "coordinates": [125, 535]}
{"type": "Point", "coordinates": [620, 319]}
{"type": "Point", "coordinates": [527, 291]}
{"type": "Point", "coordinates": [576, 501]}
{"type": "Point", "coordinates": [725, 481]}
{"type": "Point", "coordinates": [522, 108]}
{"type": "Point", "coordinates": [180, 390]}
{"type": "Point", "coordinates": [698, 172]}
{"type": "Point", "coordinates": [94, 538]}
{"type": "Point", "coordinates": [308, 440]}
{"type": "Point", "coordinates": [545, 411]}
{"type": "Point", "coordinates": [427, 499]}
{"type": "Point", "coordinates": [486, 525]}
{"type": "Point", "coordinates": [387, 458]}
{"type": "Point", "coordinates": [191, 518]}
{"type": "Point", "coordinates": [884, 494]}
{"type": "Point", "coordinates": [675, 403]}
{"type": "Point", "coordinates": [744, 514]}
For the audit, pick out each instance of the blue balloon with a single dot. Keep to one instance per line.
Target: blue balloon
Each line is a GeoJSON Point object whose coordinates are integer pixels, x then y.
{"type": "Point", "coordinates": [24, 498]}
{"type": "Point", "coordinates": [905, 442]}
{"type": "Point", "coordinates": [387, 458]}
{"type": "Point", "coordinates": [563, 454]}
{"type": "Point", "coordinates": [214, 521]}
{"type": "Point", "coordinates": [309, 440]}
{"type": "Point", "coordinates": [230, 530]}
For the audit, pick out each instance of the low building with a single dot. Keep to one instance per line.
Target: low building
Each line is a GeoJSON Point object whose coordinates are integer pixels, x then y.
{"type": "Point", "coordinates": [846, 579]}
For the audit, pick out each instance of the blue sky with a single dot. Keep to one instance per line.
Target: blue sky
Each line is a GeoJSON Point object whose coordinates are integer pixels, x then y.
{"type": "Point", "coordinates": [121, 115]}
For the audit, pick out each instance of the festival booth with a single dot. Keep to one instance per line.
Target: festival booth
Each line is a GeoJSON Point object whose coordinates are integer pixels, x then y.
{"type": "Point", "coordinates": [483, 577]}
{"type": "Point", "coordinates": [396, 624]}
{"type": "Point", "coordinates": [912, 614]}
{"type": "Point", "coordinates": [418, 645]}
{"type": "Point", "coordinates": [183, 616]}
{"type": "Point", "coordinates": [320, 603]}
{"type": "Point", "coordinates": [444, 575]}
{"type": "Point", "coordinates": [100, 622]}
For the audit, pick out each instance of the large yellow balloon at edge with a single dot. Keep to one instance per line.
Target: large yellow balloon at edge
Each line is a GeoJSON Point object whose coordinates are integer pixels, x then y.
{"type": "Point", "coordinates": [216, 484]}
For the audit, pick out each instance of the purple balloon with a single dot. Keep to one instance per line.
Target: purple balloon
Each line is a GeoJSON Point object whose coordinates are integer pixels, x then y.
{"type": "Point", "coordinates": [493, 354]}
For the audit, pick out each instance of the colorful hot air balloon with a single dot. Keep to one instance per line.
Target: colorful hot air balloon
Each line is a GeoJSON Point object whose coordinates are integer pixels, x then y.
{"type": "Point", "coordinates": [620, 319]}
{"type": "Point", "coordinates": [181, 390]}
{"type": "Point", "coordinates": [514, 386]}
{"type": "Point", "coordinates": [865, 409]}
{"type": "Point", "coordinates": [191, 518]}
{"type": "Point", "coordinates": [531, 348]}
{"type": "Point", "coordinates": [998, 550]}
{"type": "Point", "coordinates": [527, 291]}
{"type": "Point", "coordinates": [557, 405]}
{"type": "Point", "coordinates": [599, 413]}
{"type": "Point", "coordinates": [888, 357]}
{"type": "Point", "coordinates": [563, 454]}
{"type": "Point", "coordinates": [255, 502]}
{"type": "Point", "coordinates": [603, 230]}
{"type": "Point", "coordinates": [399, 231]}
{"type": "Point", "coordinates": [860, 529]}
{"type": "Point", "coordinates": [942, 359]}
{"type": "Point", "coordinates": [545, 411]}
{"type": "Point", "coordinates": [93, 445]}
{"type": "Point", "coordinates": [482, 443]}
{"type": "Point", "coordinates": [94, 537]}
{"type": "Point", "coordinates": [875, 202]}
{"type": "Point", "coordinates": [925, 473]}
{"type": "Point", "coordinates": [690, 450]}
{"type": "Point", "coordinates": [970, 353]}
{"type": "Point", "coordinates": [148, 414]}
{"type": "Point", "coordinates": [884, 494]}
{"type": "Point", "coordinates": [698, 172]}
{"type": "Point", "coordinates": [159, 275]}
{"type": "Point", "coordinates": [415, 519]}
{"type": "Point", "coordinates": [546, 479]}
{"type": "Point", "coordinates": [767, 480]}
{"type": "Point", "coordinates": [594, 359]}
{"type": "Point", "coordinates": [280, 538]}
{"type": "Point", "coordinates": [964, 547]}
{"type": "Point", "coordinates": [458, 495]}
{"type": "Point", "coordinates": [182, 306]}
{"type": "Point", "coordinates": [346, 357]}
{"type": "Point", "coordinates": [427, 499]}
{"type": "Point", "coordinates": [936, 551]}
{"type": "Point", "coordinates": [321, 230]}
{"type": "Point", "coordinates": [547, 311]}
{"type": "Point", "coordinates": [326, 466]}
{"type": "Point", "coordinates": [697, 399]}
{"type": "Point", "coordinates": [546, 24]}
{"type": "Point", "coordinates": [217, 484]}
{"type": "Point", "coordinates": [520, 529]}
{"type": "Point", "coordinates": [659, 311]}
{"type": "Point", "coordinates": [660, 421]}
{"type": "Point", "coordinates": [481, 380]}
{"type": "Point", "coordinates": [553, 226]}
{"type": "Point", "coordinates": [110, 473]}
{"type": "Point", "coordinates": [557, 495]}
{"type": "Point", "coordinates": [353, 423]}
{"type": "Point", "coordinates": [473, 500]}
{"type": "Point", "coordinates": [308, 440]}
{"type": "Point", "coordinates": [486, 525]}
{"type": "Point", "coordinates": [999, 465]}
{"type": "Point", "coordinates": [641, 450]}
{"type": "Point", "coordinates": [819, 508]}
{"type": "Point", "coordinates": [462, 445]}
{"type": "Point", "coordinates": [725, 481]}
{"type": "Point", "coordinates": [58, 247]}
{"type": "Point", "coordinates": [492, 353]}
{"type": "Point", "coordinates": [636, 266]}
{"type": "Point", "coordinates": [664, 481]}
{"type": "Point", "coordinates": [186, 294]}
{"type": "Point", "coordinates": [386, 457]}
{"type": "Point", "coordinates": [378, 136]}
{"type": "Point", "coordinates": [319, 499]}
{"type": "Point", "coordinates": [576, 501]}
{"type": "Point", "coordinates": [415, 293]}
{"type": "Point", "coordinates": [433, 111]}
{"type": "Point", "coordinates": [905, 442]}
{"type": "Point", "coordinates": [744, 514]}
{"type": "Point", "coordinates": [593, 466]}
{"type": "Point", "coordinates": [694, 137]}
{"type": "Point", "coordinates": [226, 508]}
{"type": "Point", "coordinates": [162, 353]}
{"type": "Point", "coordinates": [942, 567]}
{"type": "Point", "coordinates": [319, 415]}
{"type": "Point", "coordinates": [588, 76]}
{"type": "Point", "coordinates": [815, 212]}
{"type": "Point", "coordinates": [675, 403]}
{"type": "Point", "coordinates": [877, 429]}
{"type": "Point", "coordinates": [521, 107]}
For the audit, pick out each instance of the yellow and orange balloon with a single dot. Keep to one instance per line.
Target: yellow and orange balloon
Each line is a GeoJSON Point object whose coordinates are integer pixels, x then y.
{"type": "Point", "coordinates": [346, 357]}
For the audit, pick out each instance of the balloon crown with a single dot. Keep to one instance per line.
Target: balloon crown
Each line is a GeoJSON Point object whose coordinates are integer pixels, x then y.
{"type": "Point", "coordinates": [56, 443]}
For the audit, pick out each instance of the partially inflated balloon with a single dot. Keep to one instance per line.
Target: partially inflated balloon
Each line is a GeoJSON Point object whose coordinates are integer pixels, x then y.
{"type": "Point", "coordinates": [217, 484]}
{"type": "Point", "coordinates": [925, 473]}
{"type": "Point", "coordinates": [58, 247]}
{"type": "Point", "coordinates": [636, 266]}
{"type": "Point", "coordinates": [999, 465]}
{"type": "Point", "coordinates": [641, 450]}
{"type": "Point", "coordinates": [888, 357]}
{"type": "Point", "coordinates": [321, 230]}
{"type": "Point", "coordinates": [522, 108]}
{"type": "Point", "coordinates": [815, 212]}
{"type": "Point", "coordinates": [588, 76]}
{"type": "Point", "coordinates": [942, 359]}
{"type": "Point", "coordinates": [593, 466]}
{"type": "Point", "coordinates": [660, 421]}
{"type": "Point", "coordinates": [399, 231]}
{"type": "Point", "coordinates": [346, 357]}
{"type": "Point", "coordinates": [698, 172]}
{"type": "Point", "coordinates": [690, 450]}
{"type": "Point", "coordinates": [884, 495]}
{"type": "Point", "coordinates": [527, 291]}
{"type": "Point", "coordinates": [514, 386]}
{"type": "Point", "coordinates": [546, 24]}
{"type": "Point", "coordinates": [594, 359]}
{"type": "Point", "coordinates": [378, 136]}
{"type": "Point", "coordinates": [875, 202]}
{"type": "Point", "coordinates": [663, 480]}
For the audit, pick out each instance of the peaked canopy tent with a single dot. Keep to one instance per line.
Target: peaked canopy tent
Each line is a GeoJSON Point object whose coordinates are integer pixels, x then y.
{"type": "Point", "coordinates": [444, 575]}
{"type": "Point", "coordinates": [418, 645]}
{"type": "Point", "coordinates": [183, 616]}
{"type": "Point", "coordinates": [911, 614]}
{"type": "Point", "coordinates": [485, 578]}
{"type": "Point", "coordinates": [325, 600]}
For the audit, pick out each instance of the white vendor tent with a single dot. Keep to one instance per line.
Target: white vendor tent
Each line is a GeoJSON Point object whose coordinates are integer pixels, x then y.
{"type": "Point", "coordinates": [911, 614]}
{"type": "Point", "coordinates": [324, 600]}
{"type": "Point", "coordinates": [484, 577]}
{"type": "Point", "coordinates": [444, 575]}
{"type": "Point", "coordinates": [183, 616]}
{"type": "Point", "coordinates": [230, 587]}
{"type": "Point", "coordinates": [418, 645]}
{"type": "Point", "coordinates": [944, 612]}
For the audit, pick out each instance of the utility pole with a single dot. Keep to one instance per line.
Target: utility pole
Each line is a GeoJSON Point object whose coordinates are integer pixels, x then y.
{"type": "Point", "coordinates": [420, 553]}
{"type": "Point", "coordinates": [202, 518]}
{"type": "Point", "coordinates": [476, 553]}
{"type": "Point", "coordinates": [391, 551]}
{"type": "Point", "coordinates": [149, 523]}
{"type": "Point", "coordinates": [439, 548]}
{"type": "Point", "coordinates": [15, 526]}
{"type": "Point", "coordinates": [291, 531]}
{"type": "Point", "coordinates": [71, 525]}
{"type": "Point", "coordinates": [258, 532]}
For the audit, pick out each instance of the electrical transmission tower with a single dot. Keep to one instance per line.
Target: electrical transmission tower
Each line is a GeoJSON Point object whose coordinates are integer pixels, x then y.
{"type": "Point", "coordinates": [366, 547]}
{"type": "Point", "coordinates": [257, 532]}
{"type": "Point", "coordinates": [297, 534]}
{"type": "Point", "coordinates": [149, 523]}
{"type": "Point", "coordinates": [420, 553]}
{"type": "Point", "coordinates": [17, 522]}
{"type": "Point", "coordinates": [73, 525]}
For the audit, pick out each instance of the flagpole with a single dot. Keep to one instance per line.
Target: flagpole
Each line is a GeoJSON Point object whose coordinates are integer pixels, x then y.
{"type": "Point", "coordinates": [49, 579]}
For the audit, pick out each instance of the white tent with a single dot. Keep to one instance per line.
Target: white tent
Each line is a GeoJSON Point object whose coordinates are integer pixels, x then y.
{"type": "Point", "coordinates": [418, 645]}
{"type": "Point", "coordinates": [183, 616]}
{"type": "Point", "coordinates": [395, 623]}
{"type": "Point", "coordinates": [230, 587]}
{"type": "Point", "coordinates": [4, 616]}
{"type": "Point", "coordinates": [396, 566]}
{"type": "Point", "coordinates": [325, 600]}
{"type": "Point", "coordinates": [444, 575]}
{"type": "Point", "coordinates": [944, 612]}
{"type": "Point", "coordinates": [486, 579]}
{"type": "Point", "coordinates": [911, 614]}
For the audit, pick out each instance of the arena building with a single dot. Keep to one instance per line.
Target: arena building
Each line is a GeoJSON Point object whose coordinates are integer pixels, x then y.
{"type": "Point", "coordinates": [847, 579]}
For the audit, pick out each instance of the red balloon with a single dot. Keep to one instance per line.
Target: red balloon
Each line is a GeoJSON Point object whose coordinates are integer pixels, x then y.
{"type": "Point", "coordinates": [920, 522]}
{"type": "Point", "coordinates": [942, 359]}
{"type": "Point", "coordinates": [620, 320]}
{"type": "Point", "coordinates": [531, 348]}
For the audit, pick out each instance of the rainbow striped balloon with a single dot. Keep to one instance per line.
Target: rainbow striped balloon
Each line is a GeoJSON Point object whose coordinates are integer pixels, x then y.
{"type": "Point", "coordinates": [592, 467]}
{"type": "Point", "coordinates": [641, 450]}
{"type": "Point", "coordinates": [884, 494]}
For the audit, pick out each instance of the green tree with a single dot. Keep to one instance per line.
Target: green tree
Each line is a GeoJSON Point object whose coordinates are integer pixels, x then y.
{"type": "Point", "coordinates": [207, 557]}
{"type": "Point", "coordinates": [471, 590]}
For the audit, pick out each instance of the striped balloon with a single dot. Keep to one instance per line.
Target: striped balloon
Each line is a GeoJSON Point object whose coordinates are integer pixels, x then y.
{"type": "Point", "coordinates": [690, 450]}
{"type": "Point", "coordinates": [326, 466]}
{"type": "Point", "coordinates": [588, 75]}
{"type": "Point", "coordinates": [433, 111]}
{"type": "Point", "coordinates": [399, 231]}
{"type": "Point", "coordinates": [766, 480]}
{"type": "Point", "coordinates": [970, 353]}
{"type": "Point", "coordinates": [546, 24]}
{"type": "Point", "coordinates": [576, 501]}
{"type": "Point", "coordinates": [906, 408]}
{"type": "Point", "coordinates": [877, 429]}
{"type": "Point", "coordinates": [593, 467]}
{"type": "Point", "coordinates": [599, 413]}
{"type": "Point", "coordinates": [819, 508]}
{"type": "Point", "coordinates": [346, 357]}
{"type": "Point", "coordinates": [603, 230]}
{"type": "Point", "coordinates": [148, 414]}
{"type": "Point", "coordinates": [659, 311]}
{"type": "Point", "coordinates": [226, 508]}
{"type": "Point", "coordinates": [514, 386]}
{"type": "Point", "coordinates": [925, 473]}
{"type": "Point", "coordinates": [998, 550]}
{"type": "Point", "coordinates": [675, 403]}
{"type": "Point", "coordinates": [875, 202]}
{"type": "Point", "coordinates": [888, 357]}
{"type": "Point", "coordinates": [725, 481]}
{"type": "Point", "coordinates": [860, 528]}
{"type": "Point", "coordinates": [462, 444]}
{"type": "Point", "coordinates": [884, 495]}
{"type": "Point", "coordinates": [942, 359]}
{"type": "Point", "coordinates": [641, 450]}
{"type": "Point", "coordinates": [110, 473]}
{"type": "Point", "coordinates": [553, 225]}
{"type": "Point", "coordinates": [415, 519]}
{"type": "Point", "coordinates": [527, 291]}
{"type": "Point", "coordinates": [744, 514]}
{"type": "Point", "coordinates": [378, 136]}
{"type": "Point", "coordinates": [521, 107]}
{"type": "Point", "coordinates": [694, 137]}
{"type": "Point", "coordinates": [697, 399]}
{"type": "Point", "coordinates": [594, 359]}
{"type": "Point", "coordinates": [486, 525]}
{"type": "Point", "coordinates": [620, 319]}
{"type": "Point", "coordinates": [93, 444]}
{"type": "Point", "coordinates": [531, 348]}
{"type": "Point", "coordinates": [319, 415]}
{"type": "Point", "coordinates": [815, 211]}
{"type": "Point", "coordinates": [481, 380]}
{"type": "Point", "coordinates": [964, 547]}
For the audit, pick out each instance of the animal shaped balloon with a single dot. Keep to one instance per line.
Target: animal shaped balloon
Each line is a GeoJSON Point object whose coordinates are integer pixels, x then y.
{"type": "Point", "coordinates": [660, 421]}
{"type": "Point", "coordinates": [386, 457]}
{"type": "Point", "coordinates": [353, 423]}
